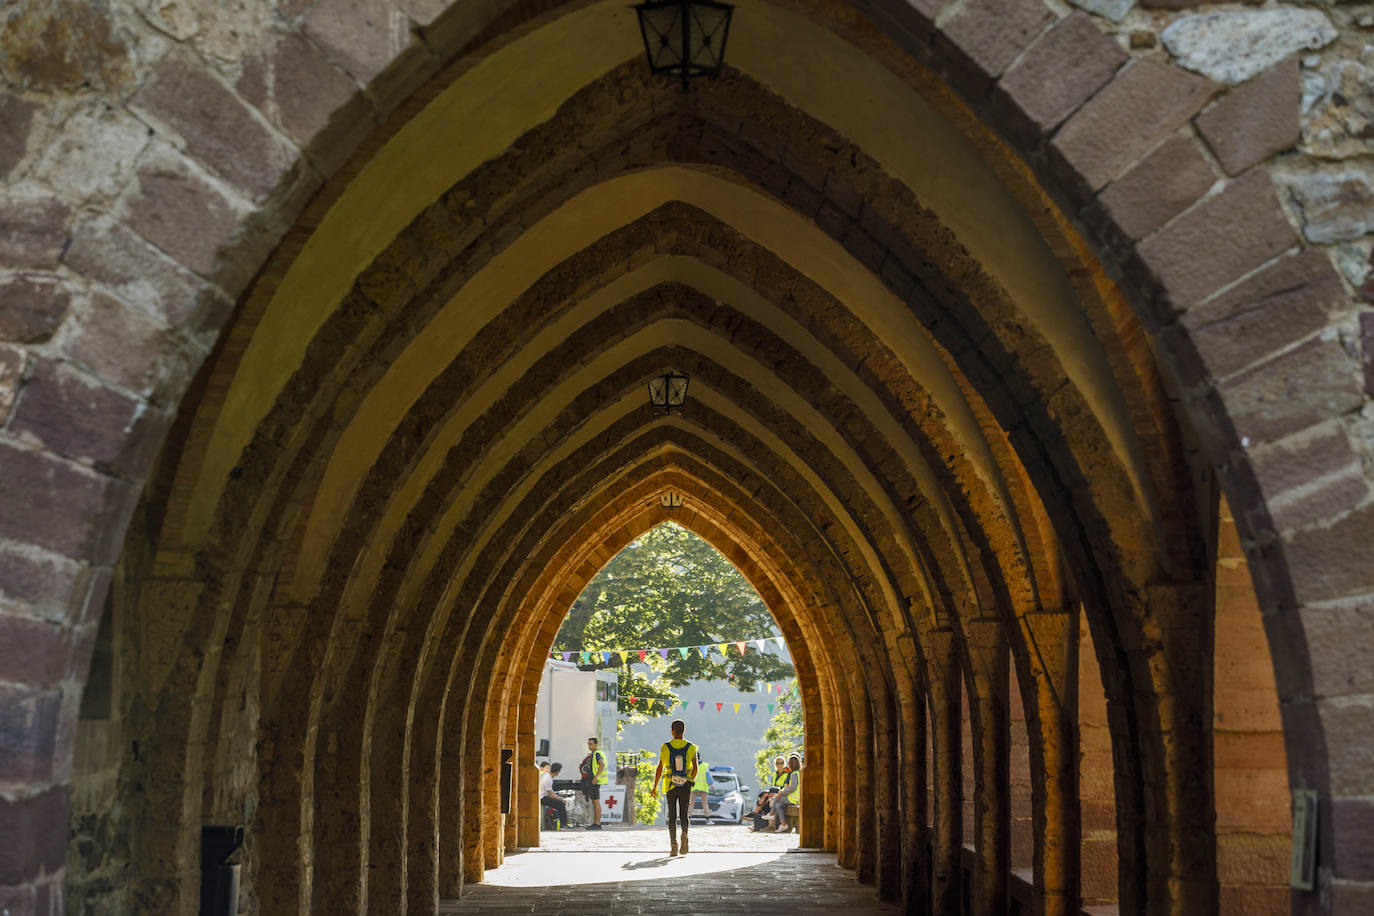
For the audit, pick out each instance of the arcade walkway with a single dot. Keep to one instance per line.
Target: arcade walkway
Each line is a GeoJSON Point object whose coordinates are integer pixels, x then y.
{"type": "Point", "coordinates": [625, 870]}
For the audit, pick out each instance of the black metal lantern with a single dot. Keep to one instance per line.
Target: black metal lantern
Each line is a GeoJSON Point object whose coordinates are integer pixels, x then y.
{"type": "Point", "coordinates": [668, 391]}
{"type": "Point", "coordinates": [686, 37]}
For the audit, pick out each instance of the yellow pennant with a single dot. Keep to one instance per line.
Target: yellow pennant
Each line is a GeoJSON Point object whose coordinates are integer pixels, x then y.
{"type": "Point", "coordinates": [722, 647]}
{"type": "Point", "coordinates": [736, 705]}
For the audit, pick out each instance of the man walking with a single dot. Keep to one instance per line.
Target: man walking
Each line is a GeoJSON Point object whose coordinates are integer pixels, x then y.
{"type": "Point", "coordinates": [593, 778]}
{"type": "Point", "coordinates": [679, 757]}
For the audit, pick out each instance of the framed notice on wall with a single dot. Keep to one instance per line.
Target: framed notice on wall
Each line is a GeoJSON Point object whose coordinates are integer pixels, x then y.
{"type": "Point", "coordinates": [1303, 872]}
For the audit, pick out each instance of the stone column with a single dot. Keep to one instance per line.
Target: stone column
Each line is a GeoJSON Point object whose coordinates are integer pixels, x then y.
{"type": "Point", "coordinates": [1051, 638]}
{"type": "Point", "coordinates": [989, 657]}
{"type": "Point", "coordinates": [945, 717]}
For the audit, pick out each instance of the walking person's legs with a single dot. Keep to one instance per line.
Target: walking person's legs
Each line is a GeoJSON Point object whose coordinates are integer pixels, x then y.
{"type": "Point", "coordinates": [676, 808]}
{"type": "Point", "coordinates": [684, 804]}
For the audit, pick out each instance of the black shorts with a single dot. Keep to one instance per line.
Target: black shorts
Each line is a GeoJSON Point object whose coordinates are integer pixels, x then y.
{"type": "Point", "coordinates": [591, 789]}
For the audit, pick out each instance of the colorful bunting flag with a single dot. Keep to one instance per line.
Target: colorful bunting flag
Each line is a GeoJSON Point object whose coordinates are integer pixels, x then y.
{"type": "Point", "coordinates": [664, 653]}
{"type": "Point", "coordinates": [719, 707]}
{"type": "Point", "coordinates": [760, 643]}
{"type": "Point", "coordinates": [753, 707]}
{"type": "Point", "coordinates": [740, 645]}
{"type": "Point", "coordinates": [684, 650]}
{"type": "Point", "coordinates": [736, 705]}
{"type": "Point", "coordinates": [770, 709]}
{"type": "Point", "coordinates": [642, 653]}
{"type": "Point", "coordinates": [702, 704]}
{"type": "Point", "coordinates": [722, 647]}
{"type": "Point", "coordinates": [606, 656]}
{"type": "Point", "coordinates": [567, 656]}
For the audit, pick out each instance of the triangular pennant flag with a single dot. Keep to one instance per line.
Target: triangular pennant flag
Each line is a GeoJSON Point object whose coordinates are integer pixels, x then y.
{"type": "Point", "coordinates": [719, 707]}
{"type": "Point", "coordinates": [760, 643]}
{"type": "Point", "coordinates": [633, 700]}
{"type": "Point", "coordinates": [567, 656]}
{"type": "Point", "coordinates": [606, 655]}
{"type": "Point", "coordinates": [684, 650]}
{"type": "Point", "coordinates": [736, 705]}
{"type": "Point", "coordinates": [722, 647]}
{"type": "Point", "coordinates": [770, 709]}
{"type": "Point", "coordinates": [753, 707]}
{"type": "Point", "coordinates": [779, 639]}
{"type": "Point", "coordinates": [701, 704]}
{"type": "Point", "coordinates": [740, 645]}
{"type": "Point", "coordinates": [642, 653]}
{"type": "Point", "coordinates": [582, 657]}
{"type": "Point", "coordinates": [705, 651]}
{"type": "Point", "coordinates": [664, 653]}
{"type": "Point", "coordinates": [684, 705]}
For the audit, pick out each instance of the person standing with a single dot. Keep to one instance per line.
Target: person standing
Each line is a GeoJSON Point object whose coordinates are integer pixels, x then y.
{"type": "Point", "coordinates": [701, 787]}
{"type": "Point", "coordinates": [679, 757]}
{"type": "Point", "coordinates": [593, 771]}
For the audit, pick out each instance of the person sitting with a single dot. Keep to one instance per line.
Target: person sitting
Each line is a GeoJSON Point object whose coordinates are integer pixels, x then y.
{"type": "Point", "coordinates": [549, 802]}
{"type": "Point", "coordinates": [788, 794]}
{"type": "Point", "coordinates": [764, 804]}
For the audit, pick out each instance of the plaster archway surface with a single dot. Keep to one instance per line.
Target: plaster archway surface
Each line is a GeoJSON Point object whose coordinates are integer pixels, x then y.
{"type": "Point", "coordinates": [108, 500]}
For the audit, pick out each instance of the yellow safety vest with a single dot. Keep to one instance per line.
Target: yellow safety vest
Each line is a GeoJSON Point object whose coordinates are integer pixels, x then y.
{"type": "Point", "coordinates": [703, 780]}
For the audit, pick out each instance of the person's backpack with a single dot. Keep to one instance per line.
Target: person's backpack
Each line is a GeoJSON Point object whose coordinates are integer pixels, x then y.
{"type": "Point", "coordinates": [679, 758]}
{"type": "Point", "coordinates": [585, 768]}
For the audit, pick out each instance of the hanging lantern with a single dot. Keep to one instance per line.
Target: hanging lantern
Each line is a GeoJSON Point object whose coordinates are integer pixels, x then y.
{"type": "Point", "coordinates": [685, 37]}
{"type": "Point", "coordinates": [667, 392]}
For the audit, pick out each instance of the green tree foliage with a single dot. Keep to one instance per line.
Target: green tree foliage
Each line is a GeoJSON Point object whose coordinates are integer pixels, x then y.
{"type": "Point", "coordinates": [646, 805]}
{"type": "Point", "coordinates": [784, 735]}
{"type": "Point", "coordinates": [671, 588]}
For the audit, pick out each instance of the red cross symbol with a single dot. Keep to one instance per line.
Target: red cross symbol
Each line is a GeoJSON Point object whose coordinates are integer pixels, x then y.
{"type": "Point", "coordinates": [610, 802]}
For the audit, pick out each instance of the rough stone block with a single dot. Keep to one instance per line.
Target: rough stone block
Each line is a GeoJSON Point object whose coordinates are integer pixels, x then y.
{"type": "Point", "coordinates": [1217, 241]}
{"type": "Point", "coordinates": [312, 95]}
{"type": "Point", "coordinates": [1255, 121]}
{"type": "Point", "coordinates": [1234, 46]}
{"type": "Point", "coordinates": [1062, 70]}
{"type": "Point", "coordinates": [1336, 206]}
{"type": "Point", "coordinates": [180, 212]}
{"type": "Point", "coordinates": [1162, 185]}
{"type": "Point", "coordinates": [1306, 278]}
{"type": "Point", "coordinates": [112, 254]}
{"type": "Point", "coordinates": [95, 152]}
{"type": "Point", "coordinates": [32, 231]}
{"type": "Point", "coordinates": [73, 415]}
{"type": "Point", "coordinates": [993, 32]}
{"type": "Point", "coordinates": [1345, 720]}
{"type": "Point", "coordinates": [36, 835]}
{"type": "Point", "coordinates": [1335, 561]}
{"type": "Point", "coordinates": [1286, 301]}
{"type": "Point", "coordinates": [128, 347]}
{"type": "Point", "coordinates": [49, 502]}
{"type": "Point", "coordinates": [218, 129]}
{"type": "Point", "coordinates": [1367, 349]}
{"type": "Point", "coordinates": [31, 651]}
{"type": "Point", "coordinates": [28, 732]}
{"type": "Point", "coordinates": [1307, 385]}
{"type": "Point", "coordinates": [43, 583]}
{"type": "Point", "coordinates": [1342, 639]}
{"type": "Point", "coordinates": [361, 36]}
{"type": "Point", "coordinates": [1143, 104]}
{"type": "Point", "coordinates": [16, 118]}
{"type": "Point", "coordinates": [31, 307]}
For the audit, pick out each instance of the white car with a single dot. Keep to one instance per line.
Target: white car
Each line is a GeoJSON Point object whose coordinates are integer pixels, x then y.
{"type": "Point", "coordinates": [726, 797]}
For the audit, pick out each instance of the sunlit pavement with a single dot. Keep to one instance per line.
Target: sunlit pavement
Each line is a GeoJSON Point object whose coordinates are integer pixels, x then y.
{"type": "Point", "coordinates": [628, 870]}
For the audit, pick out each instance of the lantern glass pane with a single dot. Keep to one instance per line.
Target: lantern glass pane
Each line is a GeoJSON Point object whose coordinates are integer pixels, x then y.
{"type": "Point", "coordinates": [707, 28]}
{"type": "Point", "coordinates": [661, 27]}
{"type": "Point", "coordinates": [658, 391]}
{"type": "Point", "coordinates": [677, 390]}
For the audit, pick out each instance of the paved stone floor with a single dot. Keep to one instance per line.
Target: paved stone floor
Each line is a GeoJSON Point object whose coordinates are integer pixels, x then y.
{"type": "Point", "coordinates": [627, 870]}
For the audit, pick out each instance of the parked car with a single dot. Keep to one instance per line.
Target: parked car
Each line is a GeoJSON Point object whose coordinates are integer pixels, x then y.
{"type": "Point", "coordinates": [727, 798]}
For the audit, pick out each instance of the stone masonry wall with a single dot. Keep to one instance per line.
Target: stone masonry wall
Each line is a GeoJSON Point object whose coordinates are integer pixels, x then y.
{"type": "Point", "coordinates": [153, 155]}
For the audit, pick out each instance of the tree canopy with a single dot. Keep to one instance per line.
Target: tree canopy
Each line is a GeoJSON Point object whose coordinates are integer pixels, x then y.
{"type": "Point", "coordinates": [671, 588]}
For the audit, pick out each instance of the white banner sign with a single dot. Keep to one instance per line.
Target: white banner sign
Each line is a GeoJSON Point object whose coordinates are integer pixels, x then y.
{"type": "Point", "coordinates": [612, 804]}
